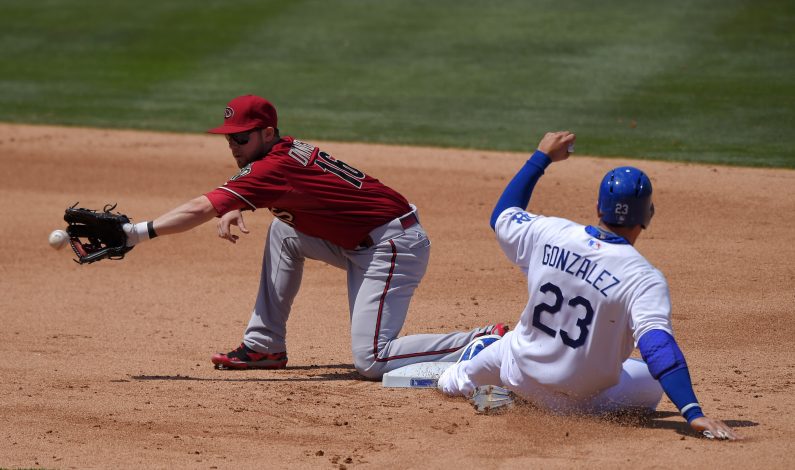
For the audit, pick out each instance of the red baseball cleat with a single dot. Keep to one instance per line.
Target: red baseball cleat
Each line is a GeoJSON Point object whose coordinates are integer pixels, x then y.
{"type": "Point", "coordinates": [246, 358]}
{"type": "Point", "coordinates": [498, 329]}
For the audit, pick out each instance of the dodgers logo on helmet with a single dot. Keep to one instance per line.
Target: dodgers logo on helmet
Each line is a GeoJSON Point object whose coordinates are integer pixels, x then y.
{"type": "Point", "coordinates": [625, 197]}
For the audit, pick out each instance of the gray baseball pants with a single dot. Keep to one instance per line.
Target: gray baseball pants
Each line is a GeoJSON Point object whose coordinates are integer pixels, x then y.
{"type": "Point", "coordinates": [381, 281]}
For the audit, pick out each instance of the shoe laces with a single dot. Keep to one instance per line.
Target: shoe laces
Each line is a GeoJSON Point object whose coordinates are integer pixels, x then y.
{"type": "Point", "coordinates": [241, 352]}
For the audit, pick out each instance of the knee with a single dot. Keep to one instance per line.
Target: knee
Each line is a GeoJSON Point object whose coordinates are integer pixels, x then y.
{"type": "Point", "coordinates": [366, 362]}
{"type": "Point", "coordinates": [369, 367]}
{"type": "Point", "coordinates": [365, 358]}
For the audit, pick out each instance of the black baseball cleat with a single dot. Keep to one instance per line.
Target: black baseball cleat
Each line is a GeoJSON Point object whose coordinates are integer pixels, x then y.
{"type": "Point", "coordinates": [246, 358]}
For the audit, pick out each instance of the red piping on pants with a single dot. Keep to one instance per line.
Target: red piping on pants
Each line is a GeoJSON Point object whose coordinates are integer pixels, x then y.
{"type": "Point", "coordinates": [380, 312]}
{"type": "Point", "coordinates": [383, 298]}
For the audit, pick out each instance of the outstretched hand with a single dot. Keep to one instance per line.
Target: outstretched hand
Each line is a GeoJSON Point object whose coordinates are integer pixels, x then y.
{"type": "Point", "coordinates": [225, 225]}
{"type": "Point", "coordinates": [556, 145]}
{"type": "Point", "coordinates": [714, 429]}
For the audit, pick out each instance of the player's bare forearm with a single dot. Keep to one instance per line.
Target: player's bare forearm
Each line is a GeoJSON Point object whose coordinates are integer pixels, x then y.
{"type": "Point", "coordinates": [185, 217]}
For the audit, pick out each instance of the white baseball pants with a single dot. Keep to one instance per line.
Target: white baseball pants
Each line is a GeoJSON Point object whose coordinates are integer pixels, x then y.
{"type": "Point", "coordinates": [636, 389]}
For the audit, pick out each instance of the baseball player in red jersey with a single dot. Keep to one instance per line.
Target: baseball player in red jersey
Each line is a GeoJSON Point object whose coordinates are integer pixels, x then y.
{"type": "Point", "coordinates": [326, 210]}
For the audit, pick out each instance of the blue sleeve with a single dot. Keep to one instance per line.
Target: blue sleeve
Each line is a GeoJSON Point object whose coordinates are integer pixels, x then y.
{"type": "Point", "coordinates": [667, 364]}
{"type": "Point", "coordinates": [679, 388]}
{"type": "Point", "coordinates": [519, 190]}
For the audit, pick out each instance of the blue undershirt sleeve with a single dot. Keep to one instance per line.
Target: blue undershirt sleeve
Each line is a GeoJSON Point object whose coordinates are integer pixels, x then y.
{"type": "Point", "coordinates": [667, 364]}
{"type": "Point", "coordinates": [679, 388]}
{"type": "Point", "coordinates": [519, 190]}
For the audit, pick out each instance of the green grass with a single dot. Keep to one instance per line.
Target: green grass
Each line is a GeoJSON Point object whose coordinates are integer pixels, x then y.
{"type": "Point", "coordinates": [707, 81]}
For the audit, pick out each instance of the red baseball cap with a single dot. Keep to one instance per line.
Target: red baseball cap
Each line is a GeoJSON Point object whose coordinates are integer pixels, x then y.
{"type": "Point", "coordinates": [245, 113]}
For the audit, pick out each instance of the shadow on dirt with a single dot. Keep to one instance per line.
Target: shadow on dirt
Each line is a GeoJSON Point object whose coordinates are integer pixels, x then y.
{"type": "Point", "coordinates": [348, 373]}
{"type": "Point", "coordinates": [660, 420]}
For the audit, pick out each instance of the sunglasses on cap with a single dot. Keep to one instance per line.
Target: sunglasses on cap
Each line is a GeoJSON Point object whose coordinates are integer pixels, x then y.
{"type": "Point", "coordinates": [240, 138]}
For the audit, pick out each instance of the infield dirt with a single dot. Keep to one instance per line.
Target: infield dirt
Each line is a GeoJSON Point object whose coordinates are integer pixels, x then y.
{"type": "Point", "coordinates": [107, 365]}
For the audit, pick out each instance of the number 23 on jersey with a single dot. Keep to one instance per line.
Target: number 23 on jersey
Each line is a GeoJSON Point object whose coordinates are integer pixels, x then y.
{"type": "Point", "coordinates": [578, 303]}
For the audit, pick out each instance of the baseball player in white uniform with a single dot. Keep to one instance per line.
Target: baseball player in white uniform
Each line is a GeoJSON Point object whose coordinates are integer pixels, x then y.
{"type": "Point", "coordinates": [593, 298]}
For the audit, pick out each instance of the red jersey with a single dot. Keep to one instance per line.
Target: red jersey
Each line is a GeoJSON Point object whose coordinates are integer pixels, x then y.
{"type": "Point", "coordinates": [312, 191]}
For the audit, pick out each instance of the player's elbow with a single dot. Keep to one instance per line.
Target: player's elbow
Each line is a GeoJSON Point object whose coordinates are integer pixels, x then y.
{"type": "Point", "coordinates": [661, 353]}
{"type": "Point", "coordinates": [201, 206]}
{"type": "Point", "coordinates": [493, 221]}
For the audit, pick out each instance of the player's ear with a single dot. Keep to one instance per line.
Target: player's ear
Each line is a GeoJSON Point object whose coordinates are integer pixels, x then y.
{"type": "Point", "coordinates": [268, 134]}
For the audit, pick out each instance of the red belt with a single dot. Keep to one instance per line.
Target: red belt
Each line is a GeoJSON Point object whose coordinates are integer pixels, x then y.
{"type": "Point", "coordinates": [406, 221]}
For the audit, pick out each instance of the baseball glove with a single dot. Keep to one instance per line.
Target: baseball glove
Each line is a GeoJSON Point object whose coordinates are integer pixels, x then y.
{"type": "Point", "coordinates": [96, 235]}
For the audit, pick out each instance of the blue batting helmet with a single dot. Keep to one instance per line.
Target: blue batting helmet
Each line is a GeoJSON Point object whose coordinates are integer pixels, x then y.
{"type": "Point", "coordinates": [625, 197]}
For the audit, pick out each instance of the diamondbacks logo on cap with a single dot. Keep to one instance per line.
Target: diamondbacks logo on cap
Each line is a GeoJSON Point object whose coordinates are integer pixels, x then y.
{"type": "Point", "coordinates": [228, 112]}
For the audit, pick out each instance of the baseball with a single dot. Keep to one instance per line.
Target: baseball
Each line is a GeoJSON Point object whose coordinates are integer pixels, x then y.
{"type": "Point", "coordinates": [58, 239]}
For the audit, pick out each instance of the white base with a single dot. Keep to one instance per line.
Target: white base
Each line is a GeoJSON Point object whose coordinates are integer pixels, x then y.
{"type": "Point", "coordinates": [419, 375]}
